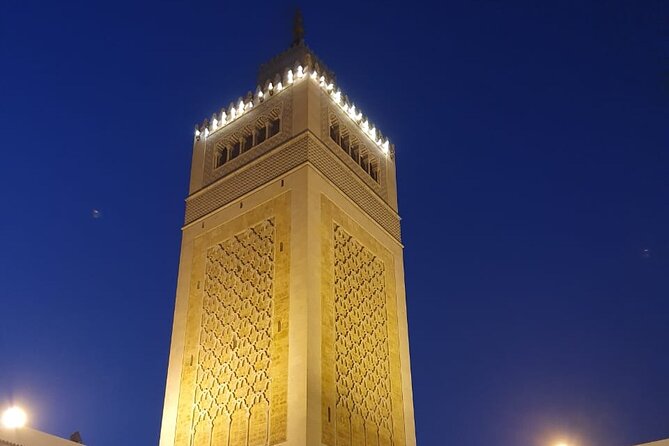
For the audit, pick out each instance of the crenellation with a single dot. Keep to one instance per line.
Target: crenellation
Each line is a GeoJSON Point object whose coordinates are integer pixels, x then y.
{"type": "Point", "coordinates": [285, 80]}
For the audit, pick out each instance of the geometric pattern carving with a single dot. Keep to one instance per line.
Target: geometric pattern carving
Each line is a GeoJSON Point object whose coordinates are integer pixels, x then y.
{"type": "Point", "coordinates": [243, 181]}
{"type": "Point", "coordinates": [234, 325]}
{"type": "Point", "coordinates": [300, 150]}
{"type": "Point", "coordinates": [232, 388]}
{"type": "Point", "coordinates": [361, 377]}
{"type": "Point", "coordinates": [363, 390]}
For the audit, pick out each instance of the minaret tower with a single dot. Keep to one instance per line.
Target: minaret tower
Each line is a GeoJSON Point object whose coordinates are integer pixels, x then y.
{"type": "Point", "coordinates": [290, 324]}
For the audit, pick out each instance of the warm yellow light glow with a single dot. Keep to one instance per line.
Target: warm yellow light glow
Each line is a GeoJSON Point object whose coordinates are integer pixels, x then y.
{"type": "Point", "coordinates": [14, 418]}
{"type": "Point", "coordinates": [561, 443]}
{"type": "Point", "coordinates": [235, 111]}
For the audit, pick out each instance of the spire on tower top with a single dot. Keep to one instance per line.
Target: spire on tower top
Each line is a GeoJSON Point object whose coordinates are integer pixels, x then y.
{"type": "Point", "coordinates": [296, 55]}
{"type": "Point", "coordinates": [298, 29]}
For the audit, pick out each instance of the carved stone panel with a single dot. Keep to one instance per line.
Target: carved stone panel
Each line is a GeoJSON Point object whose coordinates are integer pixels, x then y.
{"type": "Point", "coordinates": [234, 384]}
{"type": "Point", "coordinates": [362, 398]}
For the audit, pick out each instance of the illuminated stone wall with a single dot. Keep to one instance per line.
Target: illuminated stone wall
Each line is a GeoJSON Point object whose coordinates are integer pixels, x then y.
{"type": "Point", "coordinates": [234, 382]}
{"type": "Point", "coordinates": [361, 382]}
{"type": "Point", "coordinates": [283, 159]}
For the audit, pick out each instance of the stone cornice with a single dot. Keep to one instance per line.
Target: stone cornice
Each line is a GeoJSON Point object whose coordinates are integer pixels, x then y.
{"type": "Point", "coordinates": [284, 81]}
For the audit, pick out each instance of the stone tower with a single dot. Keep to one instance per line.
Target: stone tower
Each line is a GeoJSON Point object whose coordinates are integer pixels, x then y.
{"type": "Point", "coordinates": [290, 322]}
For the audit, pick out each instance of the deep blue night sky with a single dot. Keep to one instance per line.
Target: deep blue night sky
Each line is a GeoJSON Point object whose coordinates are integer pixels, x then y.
{"type": "Point", "coordinates": [533, 169]}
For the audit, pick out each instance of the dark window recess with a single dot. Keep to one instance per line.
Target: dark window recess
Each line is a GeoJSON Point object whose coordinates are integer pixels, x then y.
{"type": "Point", "coordinates": [248, 142]}
{"type": "Point", "coordinates": [261, 134]}
{"type": "Point", "coordinates": [274, 127]}
{"type": "Point", "coordinates": [334, 133]}
{"type": "Point", "coordinates": [236, 149]}
{"type": "Point", "coordinates": [367, 162]}
{"type": "Point", "coordinates": [354, 148]}
{"type": "Point", "coordinates": [221, 156]}
{"type": "Point", "coordinates": [364, 163]}
{"type": "Point", "coordinates": [355, 153]}
{"type": "Point", "coordinates": [374, 171]}
{"type": "Point", "coordinates": [225, 154]}
{"type": "Point", "coordinates": [345, 142]}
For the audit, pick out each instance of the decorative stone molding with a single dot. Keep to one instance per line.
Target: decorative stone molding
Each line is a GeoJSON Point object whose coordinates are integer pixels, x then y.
{"type": "Point", "coordinates": [329, 113]}
{"type": "Point", "coordinates": [282, 109]}
{"type": "Point", "coordinates": [282, 159]}
{"type": "Point", "coordinates": [285, 80]}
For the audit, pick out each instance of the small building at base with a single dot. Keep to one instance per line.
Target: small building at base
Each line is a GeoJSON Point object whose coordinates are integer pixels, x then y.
{"type": "Point", "coordinates": [26, 436]}
{"type": "Point", "coordinates": [656, 443]}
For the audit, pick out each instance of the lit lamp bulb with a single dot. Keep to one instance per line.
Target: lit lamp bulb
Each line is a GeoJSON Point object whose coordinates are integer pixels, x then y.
{"type": "Point", "coordinates": [14, 418]}
{"type": "Point", "coordinates": [386, 148]}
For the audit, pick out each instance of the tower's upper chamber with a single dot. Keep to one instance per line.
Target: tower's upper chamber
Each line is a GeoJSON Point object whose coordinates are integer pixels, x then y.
{"type": "Point", "coordinates": [296, 114]}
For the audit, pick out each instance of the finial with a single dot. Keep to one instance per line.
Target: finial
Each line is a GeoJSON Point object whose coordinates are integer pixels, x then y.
{"type": "Point", "coordinates": [298, 29]}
